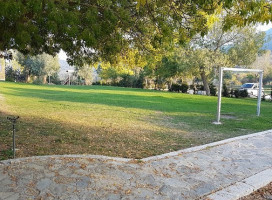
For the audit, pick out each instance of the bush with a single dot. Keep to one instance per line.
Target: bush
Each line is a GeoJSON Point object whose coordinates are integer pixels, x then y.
{"type": "Point", "coordinates": [175, 88]}
{"type": "Point", "coordinates": [240, 93]}
{"type": "Point", "coordinates": [200, 87]}
{"type": "Point", "coordinates": [179, 88]}
{"type": "Point", "coordinates": [135, 81]}
{"type": "Point", "coordinates": [54, 79]}
{"type": "Point", "coordinates": [192, 87]}
{"type": "Point", "coordinates": [212, 89]}
{"type": "Point", "coordinates": [236, 93]}
{"type": "Point", "coordinates": [231, 93]}
{"type": "Point", "coordinates": [9, 73]}
{"type": "Point", "coordinates": [97, 83]}
{"type": "Point", "coordinates": [243, 93]}
{"type": "Point", "coordinates": [38, 81]}
{"type": "Point", "coordinates": [139, 82]}
{"type": "Point", "coordinates": [225, 92]}
{"type": "Point", "coordinates": [184, 88]}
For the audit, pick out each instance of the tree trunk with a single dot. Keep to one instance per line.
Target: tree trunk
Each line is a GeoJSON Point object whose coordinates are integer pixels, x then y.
{"type": "Point", "coordinates": [205, 83]}
{"type": "Point", "coordinates": [44, 79]}
{"type": "Point", "coordinates": [27, 78]}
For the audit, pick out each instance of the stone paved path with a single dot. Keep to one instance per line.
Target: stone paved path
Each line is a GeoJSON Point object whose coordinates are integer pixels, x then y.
{"type": "Point", "coordinates": [188, 174]}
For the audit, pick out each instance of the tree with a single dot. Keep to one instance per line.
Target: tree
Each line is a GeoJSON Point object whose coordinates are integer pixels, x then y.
{"type": "Point", "coordinates": [237, 46]}
{"type": "Point", "coordinates": [85, 72]}
{"type": "Point", "coordinates": [89, 30]}
{"type": "Point", "coordinates": [51, 66]}
{"type": "Point", "coordinates": [264, 62]}
{"type": "Point", "coordinates": [40, 66]}
{"type": "Point", "coordinates": [246, 49]}
{"type": "Point", "coordinates": [203, 61]}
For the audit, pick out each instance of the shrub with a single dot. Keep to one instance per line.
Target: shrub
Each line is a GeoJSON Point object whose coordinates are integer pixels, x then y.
{"type": "Point", "coordinates": [240, 93]}
{"type": "Point", "coordinates": [175, 88]}
{"type": "Point", "coordinates": [243, 93]}
{"type": "Point", "coordinates": [231, 93]}
{"type": "Point", "coordinates": [10, 75]}
{"type": "Point", "coordinates": [192, 87]}
{"type": "Point", "coordinates": [54, 79]}
{"type": "Point", "coordinates": [97, 83]}
{"type": "Point", "coordinates": [212, 89]}
{"type": "Point", "coordinates": [38, 81]}
{"type": "Point", "coordinates": [184, 88]}
{"type": "Point", "coordinates": [236, 93]}
{"type": "Point", "coordinates": [200, 87]}
{"type": "Point", "coordinates": [225, 92]}
{"type": "Point", "coordinates": [135, 81]}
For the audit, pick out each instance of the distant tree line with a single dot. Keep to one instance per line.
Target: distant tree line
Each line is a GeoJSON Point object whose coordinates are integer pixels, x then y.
{"type": "Point", "coordinates": [197, 63]}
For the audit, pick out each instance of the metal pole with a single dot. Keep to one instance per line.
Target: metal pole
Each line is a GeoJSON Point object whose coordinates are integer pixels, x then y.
{"type": "Point", "coordinates": [221, 69]}
{"type": "Point", "coordinates": [260, 93]}
{"type": "Point", "coordinates": [13, 120]}
{"type": "Point", "coordinates": [13, 136]}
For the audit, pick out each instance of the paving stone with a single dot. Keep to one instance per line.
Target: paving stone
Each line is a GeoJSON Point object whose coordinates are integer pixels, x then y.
{"type": "Point", "coordinates": [43, 184]}
{"type": "Point", "coordinates": [114, 197]}
{"type": "Point", "coordinates": [4, 195]}
{"type": "Point", "coordinates": [167, 190]}
{"type": "Point", "coordinates": [10, 196]}
{"type": "Point", "coordinates": [83, 182]}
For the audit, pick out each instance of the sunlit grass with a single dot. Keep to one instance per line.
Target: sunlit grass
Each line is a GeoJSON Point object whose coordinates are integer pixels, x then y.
{"type": "Point", "coordinates": [119, 121]}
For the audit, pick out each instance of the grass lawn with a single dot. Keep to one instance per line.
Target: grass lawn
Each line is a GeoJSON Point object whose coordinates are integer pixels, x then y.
{"type": "Point", "coordinates": [121, 122]}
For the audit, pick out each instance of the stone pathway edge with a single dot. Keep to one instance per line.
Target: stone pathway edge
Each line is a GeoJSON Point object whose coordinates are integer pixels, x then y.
{"type": "Point", "coordinates": [244, 187]}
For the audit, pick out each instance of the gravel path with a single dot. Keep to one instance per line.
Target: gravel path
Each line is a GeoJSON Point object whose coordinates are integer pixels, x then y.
{"type": "Point", "coordinates": [188, 174]}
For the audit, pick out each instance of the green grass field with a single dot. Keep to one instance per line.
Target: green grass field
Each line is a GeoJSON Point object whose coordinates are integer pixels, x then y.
{"type": "Point", "coordinates": [121, 122]}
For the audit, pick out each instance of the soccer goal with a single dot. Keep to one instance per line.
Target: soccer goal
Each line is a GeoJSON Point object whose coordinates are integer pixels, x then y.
{"type": "Point", "coordinates": [221, 71]}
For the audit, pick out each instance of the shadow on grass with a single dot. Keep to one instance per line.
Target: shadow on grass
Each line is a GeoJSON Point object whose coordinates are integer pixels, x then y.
{"type": "Point", "coordinates": [160, 102]}
{"type": "Point", "coordinates": [41, 136]}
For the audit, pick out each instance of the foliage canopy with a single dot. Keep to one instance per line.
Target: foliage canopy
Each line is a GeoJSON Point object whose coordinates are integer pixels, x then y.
{"type": "Point", "coordinates": [88, 30]}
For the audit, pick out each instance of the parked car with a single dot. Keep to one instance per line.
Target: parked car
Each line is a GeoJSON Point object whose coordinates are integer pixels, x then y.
{"type": "Point", "coordinates": [252, 88]}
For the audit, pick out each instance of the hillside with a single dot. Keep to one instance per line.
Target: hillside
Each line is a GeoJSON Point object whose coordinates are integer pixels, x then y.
{"type": "Point", "coordinates": [64, 66]}
{"type": "Point", "coordinates": [268, 44]}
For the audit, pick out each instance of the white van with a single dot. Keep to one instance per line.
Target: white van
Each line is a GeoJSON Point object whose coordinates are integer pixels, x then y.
{"type": "Point", "coordinates": [252, 88]}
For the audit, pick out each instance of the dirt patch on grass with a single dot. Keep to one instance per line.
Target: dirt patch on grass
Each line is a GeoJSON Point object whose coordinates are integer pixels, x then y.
{"type": "Point", "coordinates": [226, 116]}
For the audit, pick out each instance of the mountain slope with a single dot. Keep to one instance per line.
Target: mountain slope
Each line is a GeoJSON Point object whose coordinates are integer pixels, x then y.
{"type": "Point", "coordinates": [268, 37]}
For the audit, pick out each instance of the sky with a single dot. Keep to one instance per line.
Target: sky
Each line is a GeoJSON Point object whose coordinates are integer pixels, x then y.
{"type": "Point", "coordinates": [264, 27]}
{"type": "Point", "coordinates": [62, 55]}
{"type": "Point", "coordinates": [261, 27]}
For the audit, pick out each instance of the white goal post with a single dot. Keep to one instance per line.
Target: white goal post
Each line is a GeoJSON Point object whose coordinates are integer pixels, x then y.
{"type": "Point", "coordinates": [221, 71]}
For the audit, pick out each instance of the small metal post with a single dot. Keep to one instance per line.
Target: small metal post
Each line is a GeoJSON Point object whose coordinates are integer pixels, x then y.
{"type": "Point", "coordinates": [260, 93]}
{"type": "Point", "coordinates": [13, 139]}
{"type": "Point", "coordinates": [13, 120]}
{"type": "Point", "coordinates": [221, 70]}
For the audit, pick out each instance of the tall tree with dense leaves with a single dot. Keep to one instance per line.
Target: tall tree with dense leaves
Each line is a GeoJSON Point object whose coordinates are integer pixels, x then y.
{"type": "Point", "coordinates": [92, 29]}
